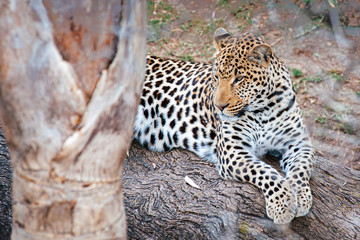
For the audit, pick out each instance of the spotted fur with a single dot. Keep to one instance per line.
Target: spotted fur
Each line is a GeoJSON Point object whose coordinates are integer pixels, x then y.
{"type": "Point", "coordinates": [232, 113]}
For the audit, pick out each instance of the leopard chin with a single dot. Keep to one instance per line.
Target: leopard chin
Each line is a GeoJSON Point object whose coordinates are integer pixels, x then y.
{"type": "Point", "coordinates": [227, 118]}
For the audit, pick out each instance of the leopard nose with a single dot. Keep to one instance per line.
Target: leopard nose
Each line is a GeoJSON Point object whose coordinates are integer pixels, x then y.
{"type": "Point", "coordinates": [222, 107]}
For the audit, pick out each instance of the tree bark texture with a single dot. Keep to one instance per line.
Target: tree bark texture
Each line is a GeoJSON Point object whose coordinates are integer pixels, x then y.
{"type": "Point", "coordinates": [161, 205]}
{"type": "Point", "coordinates": [70, 79]}
{"type": "Point", "coordinates": [5, 190]}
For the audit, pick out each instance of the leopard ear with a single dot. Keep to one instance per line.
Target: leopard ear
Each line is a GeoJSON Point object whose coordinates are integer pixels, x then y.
{"type": "Point", "coordinates": [260, 54]}
{"type": "Point", "coordinates": [220, 37]}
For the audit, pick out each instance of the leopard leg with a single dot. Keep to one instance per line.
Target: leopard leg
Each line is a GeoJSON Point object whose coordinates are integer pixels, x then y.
{"type": "Point", "coordinates": [235, 161]}
{"type": "Point", "coordinates": [298, 163]}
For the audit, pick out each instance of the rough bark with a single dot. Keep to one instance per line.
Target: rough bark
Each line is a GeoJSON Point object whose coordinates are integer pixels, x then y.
{"type": "Point", "coordinates": [5, 190]}
{"type": "Point", "coordinates": [160, 205]}
{"type": "Point", "coordinates": [70, 80]}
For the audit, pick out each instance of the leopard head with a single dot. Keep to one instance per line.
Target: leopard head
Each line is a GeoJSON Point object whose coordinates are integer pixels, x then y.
{"type": "Point", "coordinates": [240, 72]}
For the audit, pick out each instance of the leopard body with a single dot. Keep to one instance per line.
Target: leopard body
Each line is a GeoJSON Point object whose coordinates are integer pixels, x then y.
{"type": "Point", "coordinates": [232, 113]}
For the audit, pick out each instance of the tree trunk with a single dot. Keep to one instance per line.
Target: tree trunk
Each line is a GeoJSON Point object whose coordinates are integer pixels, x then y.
{"type": "Point", "coordinates": [70, 79]}
{"type": "Point", "coordinates": [161, 205]}
{"type": "Point", "coordinates": [5, 190]}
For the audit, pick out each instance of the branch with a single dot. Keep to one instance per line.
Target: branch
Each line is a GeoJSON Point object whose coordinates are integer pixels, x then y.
{"type": "Point", "coordinates": [160, 204]}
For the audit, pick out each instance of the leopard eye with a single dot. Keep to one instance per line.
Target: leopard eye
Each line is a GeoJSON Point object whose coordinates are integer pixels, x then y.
{"type": "Point", "coordinates": [238, 80]}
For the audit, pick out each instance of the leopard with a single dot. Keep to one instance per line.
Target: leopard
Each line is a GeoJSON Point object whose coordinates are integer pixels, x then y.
{"type": "Point", "coordinates": [233, 113]}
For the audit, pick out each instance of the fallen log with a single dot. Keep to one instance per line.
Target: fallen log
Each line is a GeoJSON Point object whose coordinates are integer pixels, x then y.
{"type": "Point", "coordinates": [161, 205]}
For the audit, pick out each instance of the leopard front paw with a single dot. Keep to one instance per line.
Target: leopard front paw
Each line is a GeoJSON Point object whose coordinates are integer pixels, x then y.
{"type": "Point", "coordinates": [304, 201]}
{"type": "Point", "coordinates": [281, 205]}
{"type": "Point", "coordinates": [303, 194]}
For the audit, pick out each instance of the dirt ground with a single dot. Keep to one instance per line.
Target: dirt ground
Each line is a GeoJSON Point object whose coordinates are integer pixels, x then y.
{"type": "Point", "coordinates": [318, 40]}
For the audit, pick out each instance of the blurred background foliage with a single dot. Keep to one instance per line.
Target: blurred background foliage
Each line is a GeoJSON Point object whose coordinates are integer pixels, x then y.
{"type": "Point", "coordinates": [319, 40]}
